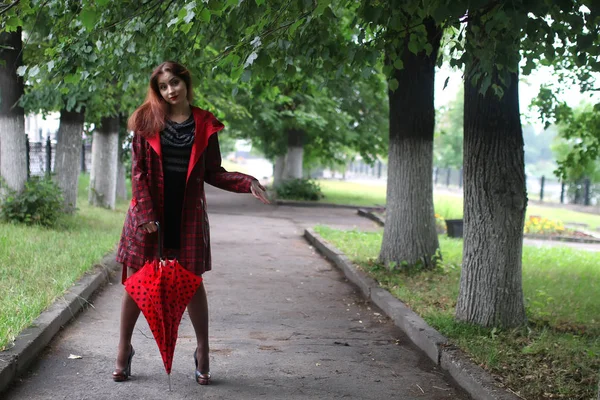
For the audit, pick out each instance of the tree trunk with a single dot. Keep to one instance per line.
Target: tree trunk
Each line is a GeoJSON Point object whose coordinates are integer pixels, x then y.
{"type": "Point", "coordinates": [68, 156]}
{"type": "Point", "coordinates": [409, 235]}
{"type": "Point", "coordinates": [295, 154]}
{"type": "Point", "coordinates": [13, 157]}
{"type": "Point", "coordinates": [105, 152]}
{"type": "Point", "coordinates": [495, 200]}
{"type": "Point", "coordinates": [278, 168]}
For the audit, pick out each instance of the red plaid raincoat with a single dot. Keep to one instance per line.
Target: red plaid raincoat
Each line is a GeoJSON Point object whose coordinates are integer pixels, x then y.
{"type": "Point", "coordinates": [147, 181]}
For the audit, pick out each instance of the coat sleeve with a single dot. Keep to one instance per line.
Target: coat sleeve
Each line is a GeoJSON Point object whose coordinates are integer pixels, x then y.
{"type": "Point", "coordinates": [217, 176]}
{"type": "Point", "coordinates": [142, 200]}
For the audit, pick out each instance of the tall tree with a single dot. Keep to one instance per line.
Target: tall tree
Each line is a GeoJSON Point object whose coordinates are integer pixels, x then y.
{"type": "Point", "coordinates": [409, 234]}
{"type": "Point", "coordinates": [495, 196]}
{"type": "Point", "coordinates": [490, 291]}
{"type": "Point", "coordinates": [408, 35]}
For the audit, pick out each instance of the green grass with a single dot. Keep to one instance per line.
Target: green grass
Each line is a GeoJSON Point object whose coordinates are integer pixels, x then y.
{"type": "Point", "coordinates": [40, 264]}
{"type": "Point", "coordinates": [447, 205]}
{"type": "Point", "coordinates": [340, 192]}
{"type": "Point", "coordinates": [556, 356]}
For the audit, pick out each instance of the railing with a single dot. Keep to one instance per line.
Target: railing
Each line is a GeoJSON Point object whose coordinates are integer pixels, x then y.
{"type": "Point", "coordinates": [543, 189]}
{"type": "Point", "coordinates": [41, 157]}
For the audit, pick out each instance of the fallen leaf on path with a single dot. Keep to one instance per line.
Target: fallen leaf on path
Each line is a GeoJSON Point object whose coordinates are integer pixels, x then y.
{"type": "Point", "coordinates": [74, 357]}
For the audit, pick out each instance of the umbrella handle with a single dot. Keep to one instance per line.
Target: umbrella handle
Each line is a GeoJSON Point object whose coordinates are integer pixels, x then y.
{"type": "Point", "coordinates": [160, 240]}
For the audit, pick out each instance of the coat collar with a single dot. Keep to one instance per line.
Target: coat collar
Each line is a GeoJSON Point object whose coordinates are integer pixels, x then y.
{"type": "Point", "coordinates": [205, 125]}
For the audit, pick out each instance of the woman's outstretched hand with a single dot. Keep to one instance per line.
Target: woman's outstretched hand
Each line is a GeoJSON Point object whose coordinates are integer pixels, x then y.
{"type": "Point", "coordinates": [259, 192]}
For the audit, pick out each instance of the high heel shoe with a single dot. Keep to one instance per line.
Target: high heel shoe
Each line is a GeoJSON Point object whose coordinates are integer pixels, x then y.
{"type": "Point", "coordinates": [201, 377]}
{"type": "Point", "coordinates": [124, 374]}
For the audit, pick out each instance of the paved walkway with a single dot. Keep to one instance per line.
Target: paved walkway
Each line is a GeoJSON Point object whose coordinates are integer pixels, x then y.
{"type": "Point", "coordinates": [284, 325]}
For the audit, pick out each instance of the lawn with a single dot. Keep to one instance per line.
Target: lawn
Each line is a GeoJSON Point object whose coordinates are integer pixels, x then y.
{"type": "Point", "coordinates": [556, 356]}
{"type": "Point", "coordinates": [40, 264]}
{"type": "Point", "coordinates": [449, 206]}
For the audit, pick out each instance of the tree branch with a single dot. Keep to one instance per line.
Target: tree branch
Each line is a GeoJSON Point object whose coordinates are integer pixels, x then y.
{"type": "Point", "coordinates": [8, 7]}
{"type": "Point", "coordinates": [135, 14]}
{"type": "Point", "coordinates": [479, 13]}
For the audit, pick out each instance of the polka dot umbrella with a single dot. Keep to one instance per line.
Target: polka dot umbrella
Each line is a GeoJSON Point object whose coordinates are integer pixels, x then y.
{"type": "Point", "coordinates": [163, 289]}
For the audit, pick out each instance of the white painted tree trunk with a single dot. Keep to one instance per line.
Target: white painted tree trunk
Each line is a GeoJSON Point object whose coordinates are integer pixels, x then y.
{"type": "Point", "coordinates": [293, 163]}
{"type": "Point", "coordinates": [13, 150]}
{"type": "Point", "coordinates": [278, 168]}
{"type": "Point", "coordinates": [295, 155]}
{"type": "Point", "coordinates": [105, 153]}
{"type": "Point", "coordinates": [68, 156]}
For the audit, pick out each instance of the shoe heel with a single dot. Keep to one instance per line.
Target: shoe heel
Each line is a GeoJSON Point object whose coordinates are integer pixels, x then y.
{"type": "Point", "coordinates": [126, 372]}
{"type": "Point", "coordinates": [201, 379]}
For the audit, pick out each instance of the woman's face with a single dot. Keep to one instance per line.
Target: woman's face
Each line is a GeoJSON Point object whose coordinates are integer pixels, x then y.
{"type": "Point", "coordinates": [172, 88]}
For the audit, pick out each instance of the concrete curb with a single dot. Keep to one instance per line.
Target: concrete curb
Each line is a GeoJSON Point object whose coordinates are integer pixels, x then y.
{"type": "Point", "coordinates": [354, 275]}
{"type": "Point", "coordinates": [472, 378]}
{"type": "Point", "coordinates": [562, 239]}
{"type": "Point", "coordinates": [373, 217]}
{"type": "Point", "coordinates": [363, 212]}
{"type": "Point", "coordinates": [32, 341]}
{"type": "Point", "coordinates": [295, 203]}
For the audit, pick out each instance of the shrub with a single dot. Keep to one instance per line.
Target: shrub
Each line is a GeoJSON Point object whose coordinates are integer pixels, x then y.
{"type": "Point", "coordinates": [299, 189]}
{"type": "Point", "coordinates": [40, 203]}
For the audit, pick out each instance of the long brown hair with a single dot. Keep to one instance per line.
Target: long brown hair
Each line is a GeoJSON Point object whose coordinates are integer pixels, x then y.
{"type": "Point", "coordinates": [150, 117]}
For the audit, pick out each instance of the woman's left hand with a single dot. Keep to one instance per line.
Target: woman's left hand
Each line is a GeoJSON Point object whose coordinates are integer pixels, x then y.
{"type": "Point", "coordinates": [259, 192]}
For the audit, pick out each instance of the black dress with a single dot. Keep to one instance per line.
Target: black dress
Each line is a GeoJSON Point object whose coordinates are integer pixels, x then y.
{"type": "Point", "coordinates": [176, 141]}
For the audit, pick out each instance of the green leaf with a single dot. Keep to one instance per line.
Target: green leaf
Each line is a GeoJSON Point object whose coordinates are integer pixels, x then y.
{"type": "Point", "coordinates": [485, 84]}
{"type": "Point", "coordinates": [398, 64]}
{"type": "Point", "coordinates": [71, 103]}
{"type": "Point", "coordinates": [237, 72]}
{"type": "Point", "coordinates": [71, 79]}
{"type": "Point", "coordinates": [413, 45]}
{"type": "Point", "coordinates": [321, 6]}
{"type": "Point", "coordinates": [185, 28]}
{"type": "Point", "coordinates": [88, 18]}
{"type": "Point", "coordinates": [295, 26]}
{"type": "Point", "coordinates": [182, 13]}
{"type": "Point", "coordinates": [13, 23]}
{"type": "Point", "coordinates": [259, 2]}
{"type": "Point", "coordinates": [393, 84]}
{"type": "Point", "coordinates": [205, 15]}
{"type": "Point", "coordinates": [246, 75]}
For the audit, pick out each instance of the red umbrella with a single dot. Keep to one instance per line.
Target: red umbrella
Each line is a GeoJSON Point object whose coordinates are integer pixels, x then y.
{"type": "Point", "coordinates": [163, 289]}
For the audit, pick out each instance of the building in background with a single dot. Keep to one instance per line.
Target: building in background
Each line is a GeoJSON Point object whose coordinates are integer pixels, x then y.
{"type": "Point", "coordinates": [38, 129]}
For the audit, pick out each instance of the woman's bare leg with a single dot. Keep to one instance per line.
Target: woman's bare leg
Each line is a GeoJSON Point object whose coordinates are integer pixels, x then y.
{"type": "Point", "coordinates": [129, 316]}
{"type": "Point", "coordinates": [198, 312]}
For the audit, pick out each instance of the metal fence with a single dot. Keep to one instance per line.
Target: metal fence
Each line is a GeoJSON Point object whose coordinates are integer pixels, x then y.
{"type": "Point", "coordinates": [540, 188]}
{"type": "Point", "coordinates": [41, 157]}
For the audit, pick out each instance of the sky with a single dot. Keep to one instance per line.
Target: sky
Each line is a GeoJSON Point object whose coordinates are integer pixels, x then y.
{"type": "Point", "coordinates": [529, 87]}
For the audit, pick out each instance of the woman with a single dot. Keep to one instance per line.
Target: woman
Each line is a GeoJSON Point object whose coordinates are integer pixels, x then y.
{"type": "Point", "coordinates": [175, 150]}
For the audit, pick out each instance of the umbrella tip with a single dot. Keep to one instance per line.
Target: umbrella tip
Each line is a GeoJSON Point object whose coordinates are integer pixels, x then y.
{"type": "Point", "coordinates": [169, 375]}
